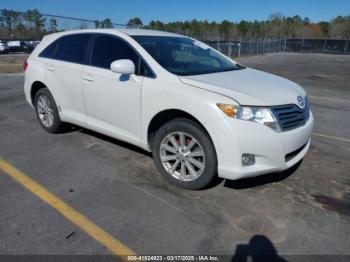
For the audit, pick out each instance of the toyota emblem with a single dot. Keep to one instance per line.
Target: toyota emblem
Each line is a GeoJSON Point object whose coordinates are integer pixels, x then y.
{"type": "Point", "coordinates": [301, 101]}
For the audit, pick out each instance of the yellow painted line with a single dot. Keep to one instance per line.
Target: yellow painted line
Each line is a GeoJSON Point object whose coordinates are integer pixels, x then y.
{"type": "Point", "coordinates": [333, 137]}
{"type": "Point", "coordinates": [97, 233]}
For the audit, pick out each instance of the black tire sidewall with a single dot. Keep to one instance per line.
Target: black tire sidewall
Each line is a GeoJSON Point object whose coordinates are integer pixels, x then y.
{"type": "Point", "coordinates": [57, 124]}
{"type": "Point", "coordinates": [200, 134]}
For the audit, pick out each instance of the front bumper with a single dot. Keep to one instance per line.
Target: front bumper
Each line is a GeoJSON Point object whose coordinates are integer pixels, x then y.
{"type": "Point", "coordinates": [233, 137]}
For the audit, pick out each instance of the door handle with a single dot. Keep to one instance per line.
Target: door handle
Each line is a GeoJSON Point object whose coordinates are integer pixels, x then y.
{"type": "Point", "coordinates": [88, 79]}
{"type": "Point", "coordinates": [51, 68]}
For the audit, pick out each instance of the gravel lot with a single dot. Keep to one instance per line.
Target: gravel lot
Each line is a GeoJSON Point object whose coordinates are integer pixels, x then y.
{"type": "Point", "coordinates": [305, 211]}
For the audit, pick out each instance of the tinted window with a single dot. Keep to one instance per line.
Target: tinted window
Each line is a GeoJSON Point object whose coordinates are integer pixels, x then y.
{"type": "Point", "coordinates": [145, 70]}
{"type": "Point", "coordinates": [108, 49]}
{"type": "Point", "coordinates": [72, 48]}
{"type": "Point", "coordinates": [49, 51]}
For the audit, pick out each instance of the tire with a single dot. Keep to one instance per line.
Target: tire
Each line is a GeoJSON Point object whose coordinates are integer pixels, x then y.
{"type": "Point", "coordinates": [48, 115]}
{"type": "Point", "coordinates": [195, 156]}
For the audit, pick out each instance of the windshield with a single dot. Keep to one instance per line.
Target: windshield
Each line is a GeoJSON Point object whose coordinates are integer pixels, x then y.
{"type": "Point", "coordinates": [185, 56]}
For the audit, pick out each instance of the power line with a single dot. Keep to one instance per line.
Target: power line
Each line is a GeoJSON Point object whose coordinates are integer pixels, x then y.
{"type": "Point", "coordinates": [67, 17]}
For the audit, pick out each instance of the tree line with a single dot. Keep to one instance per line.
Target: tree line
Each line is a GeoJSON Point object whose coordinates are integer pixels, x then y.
{"type": "Point", "coordinates": [277, 26]}
{"type": "Point", "coordinates": [33, 25]}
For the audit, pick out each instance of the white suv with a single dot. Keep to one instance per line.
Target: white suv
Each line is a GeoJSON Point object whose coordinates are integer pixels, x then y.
{"type": "Point", "coordinates": [200, 113]}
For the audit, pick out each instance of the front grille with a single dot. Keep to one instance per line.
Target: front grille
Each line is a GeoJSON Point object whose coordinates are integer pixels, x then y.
{"type": "Point", "coordinates": [291, 116]}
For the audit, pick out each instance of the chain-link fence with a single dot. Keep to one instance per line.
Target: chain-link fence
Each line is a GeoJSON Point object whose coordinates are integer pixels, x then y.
{"type": "Point", "coordinates": [229, 48]}
{"type": "Point", "coordinates": [21, 31]}
{"type": "Point", "coordinates": [248, 48]}
{"type": "Point", "coordinates": [330, 46]}
{"type": "Point", "coordinates": [24, 30]}
{"type": "Point", "coordinates": [261, 47]}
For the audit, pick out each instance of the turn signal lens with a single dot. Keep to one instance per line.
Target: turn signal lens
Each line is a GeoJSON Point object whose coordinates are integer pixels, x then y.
{"type": "Point", "coordinates": [229, 110]}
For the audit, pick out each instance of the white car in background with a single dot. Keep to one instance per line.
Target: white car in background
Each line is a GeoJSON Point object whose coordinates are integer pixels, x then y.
{"type": "Point", "coordinates": [3, 47]}
{"type": "Point", "coordinates": [200, 113]}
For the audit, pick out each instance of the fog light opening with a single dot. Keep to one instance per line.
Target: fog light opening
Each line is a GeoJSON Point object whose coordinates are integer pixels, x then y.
{"type": "Point", "coordinates": [248, 159]}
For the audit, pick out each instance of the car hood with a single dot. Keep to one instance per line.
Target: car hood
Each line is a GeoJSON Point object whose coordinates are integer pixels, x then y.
{"type": "Point", "coordinates": [249, 87]}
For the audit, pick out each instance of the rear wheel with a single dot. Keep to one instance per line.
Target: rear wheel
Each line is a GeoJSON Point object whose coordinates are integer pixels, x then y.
{"type": "Point", "coordinates": [47, 112]}
{"type": "Point", "coordinates": [184, 154]}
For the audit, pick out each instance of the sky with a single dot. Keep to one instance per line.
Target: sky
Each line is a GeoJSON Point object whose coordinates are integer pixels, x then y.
{"type": "Point", "coordinates": [180, 10]}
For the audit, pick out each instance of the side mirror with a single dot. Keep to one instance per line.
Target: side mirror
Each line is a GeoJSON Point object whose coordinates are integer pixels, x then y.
{"type": "Point", "coordinates": [123, 66]}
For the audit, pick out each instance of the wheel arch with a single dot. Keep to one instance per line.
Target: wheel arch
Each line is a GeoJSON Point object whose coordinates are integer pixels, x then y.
{"type": "Point", "coordinates": [165, 116]}
{"type": "Point", "coordinates": [35, 87]}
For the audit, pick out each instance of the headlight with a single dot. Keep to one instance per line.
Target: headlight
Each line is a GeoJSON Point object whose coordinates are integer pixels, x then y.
{"type": "Point", "coordinates": [262, 115]}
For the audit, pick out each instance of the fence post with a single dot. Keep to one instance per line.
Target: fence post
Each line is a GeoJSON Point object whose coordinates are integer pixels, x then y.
{"type": "Point", "coordinates": [324, 45]}
{"type": "Point", "coordinates": [250, 46]}
{"type": "Point", "coordinates": [285, 44]}
{"type": "Point", "coordinates": [346, 46]}
{"type": "Point", "coordinates": [268, 46]}
{"type": "Point", "coordinates": [280, 46]}
{"type": "Point", "coordinates": [239, 49]}
{"type": "Point", "coordinates": [302, 45]}
{"type": "Point", "coordinates": [229, 49]}
{"type": "Point", "coordinates": [263, 46]}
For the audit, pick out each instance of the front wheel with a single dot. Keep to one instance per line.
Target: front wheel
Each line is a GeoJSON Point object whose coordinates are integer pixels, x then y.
{"type": "Point", "coordinates": [184, 154]}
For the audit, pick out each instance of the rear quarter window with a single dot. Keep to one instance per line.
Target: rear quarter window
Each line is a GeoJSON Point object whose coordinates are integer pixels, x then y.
{"type": "Point", "coordinates": [49, 51]}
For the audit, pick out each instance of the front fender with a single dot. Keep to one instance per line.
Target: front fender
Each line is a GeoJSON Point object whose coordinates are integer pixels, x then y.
{"type": "Point", "coordinates": [157, 97]}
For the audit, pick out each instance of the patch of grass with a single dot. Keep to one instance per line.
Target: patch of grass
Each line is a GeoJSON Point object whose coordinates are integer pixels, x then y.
{"type": "Point", "coordinates": [11, 68]}
{"type": "Point", "coordinates": [12, 63]}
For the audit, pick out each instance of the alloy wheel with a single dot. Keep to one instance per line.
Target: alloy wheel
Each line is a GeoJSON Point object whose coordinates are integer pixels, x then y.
{"type": "Point", "coordinates": [182, 156]}
{"type": "Point", "coordinates": [45, 110]}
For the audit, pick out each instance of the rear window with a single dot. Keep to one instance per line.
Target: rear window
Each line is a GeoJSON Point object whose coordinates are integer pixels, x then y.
{"type": "Point", "coordinates": [49, 51]}
{"type": "Point", "coordinates": [72, 48]}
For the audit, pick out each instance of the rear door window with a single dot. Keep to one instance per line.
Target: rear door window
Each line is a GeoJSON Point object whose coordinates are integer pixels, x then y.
{"type": "Point", "coordinates": [72, 48]}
